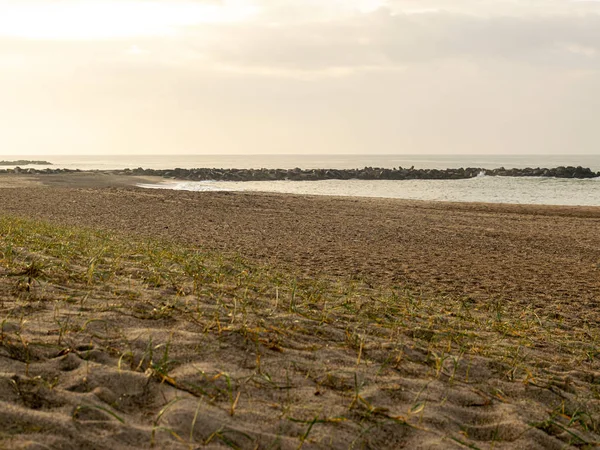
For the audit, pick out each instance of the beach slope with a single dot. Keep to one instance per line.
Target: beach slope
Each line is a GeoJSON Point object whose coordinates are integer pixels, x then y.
{"type": "Point", "coordinates": [135, 318]}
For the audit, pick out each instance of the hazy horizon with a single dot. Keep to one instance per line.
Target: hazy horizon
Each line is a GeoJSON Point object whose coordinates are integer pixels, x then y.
{"type": "Point", "coordinates": [308, 161]}
{"type": "Point", "coordinates": [299, 77]}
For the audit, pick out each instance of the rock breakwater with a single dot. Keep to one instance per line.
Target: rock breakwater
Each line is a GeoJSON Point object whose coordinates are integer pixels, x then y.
{"type": "Point", "coordinates": [368, 173]}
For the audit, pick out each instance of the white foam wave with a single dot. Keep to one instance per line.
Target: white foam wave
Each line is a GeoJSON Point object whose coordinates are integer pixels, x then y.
{"type": "Point", "coordinates": [196, 186]}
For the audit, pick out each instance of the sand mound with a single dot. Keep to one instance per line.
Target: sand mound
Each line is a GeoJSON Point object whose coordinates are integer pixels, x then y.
{"type": "Point", "coordinates": [109, 342]}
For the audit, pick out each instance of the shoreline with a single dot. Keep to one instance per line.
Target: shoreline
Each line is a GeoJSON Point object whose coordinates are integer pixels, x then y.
{"type": "Point", "coordinates": [103, 180]}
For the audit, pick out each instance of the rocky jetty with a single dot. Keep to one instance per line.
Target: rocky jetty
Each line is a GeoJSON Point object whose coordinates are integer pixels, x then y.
{"type": "Point", "coordinates": [25, 162]}
{"type": "Point", "coordinates": [368, 173]}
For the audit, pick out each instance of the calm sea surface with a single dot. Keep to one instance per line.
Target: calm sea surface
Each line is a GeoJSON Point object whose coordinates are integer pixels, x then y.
{"type": "Point", "coordinates": [107, 162]}
{"type": "Point", "coordinates": [482, 189]}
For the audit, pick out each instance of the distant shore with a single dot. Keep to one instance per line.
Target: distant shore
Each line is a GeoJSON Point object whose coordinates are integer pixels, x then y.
{"type": "Point", "coordinates": [25, 162]}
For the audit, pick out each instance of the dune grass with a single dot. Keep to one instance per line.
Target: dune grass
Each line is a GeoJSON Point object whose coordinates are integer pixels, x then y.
{"type": "Point", "coordinates": [313, 358]}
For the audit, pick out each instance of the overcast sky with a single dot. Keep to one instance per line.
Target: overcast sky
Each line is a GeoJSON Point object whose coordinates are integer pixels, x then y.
{"type": "Point", "coordinates": [299, 76]}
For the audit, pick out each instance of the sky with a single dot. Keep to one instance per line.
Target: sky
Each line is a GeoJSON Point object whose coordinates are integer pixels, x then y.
{"type": "Point", "coordinates": [299, 77]}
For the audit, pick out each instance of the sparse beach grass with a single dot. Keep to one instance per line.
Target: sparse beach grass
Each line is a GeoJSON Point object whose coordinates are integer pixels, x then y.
{"type": "Point", "coordinates": [109, 341]}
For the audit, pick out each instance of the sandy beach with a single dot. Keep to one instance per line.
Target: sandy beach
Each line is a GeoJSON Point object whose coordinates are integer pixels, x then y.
{"type": "Point", "coordinates": [538, 266]}
{"type": "Point", "coordinates": [530, 254]}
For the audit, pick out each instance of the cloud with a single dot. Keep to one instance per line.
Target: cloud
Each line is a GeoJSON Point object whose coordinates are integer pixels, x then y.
{"type": "Point", "coordinates": [110, 19]}
{"type": "Point", "coordinates": [318, 76]}
{"type": "Point", "coordinates": [333, 36]}
{"type": "Point", "coordinates": [386, 40]}
{"type": "Point", "coordinates": [135, 50]}
{"type": "Point", "coordinates": [382, 40]}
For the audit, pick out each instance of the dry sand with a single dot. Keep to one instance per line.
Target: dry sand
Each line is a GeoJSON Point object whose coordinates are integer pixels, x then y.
{"type": "Point", "coordinates": [535, 261]}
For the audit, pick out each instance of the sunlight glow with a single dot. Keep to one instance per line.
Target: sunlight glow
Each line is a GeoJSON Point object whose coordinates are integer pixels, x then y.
{"type": "Point", "coordinates": [113, 19]}
{"type": "Point", "coordinates": [367, 6]}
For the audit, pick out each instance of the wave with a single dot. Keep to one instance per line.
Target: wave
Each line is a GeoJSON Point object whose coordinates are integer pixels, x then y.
{"type": "Point", "coordinates": [196, 186]}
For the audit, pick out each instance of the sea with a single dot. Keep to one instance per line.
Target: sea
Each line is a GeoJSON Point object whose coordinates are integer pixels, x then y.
{"type": "Point", "coordinates": [513, 190]}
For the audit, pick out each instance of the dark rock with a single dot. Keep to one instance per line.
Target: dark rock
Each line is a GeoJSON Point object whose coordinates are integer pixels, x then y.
{"type": "Point", "coordinates": [367, 173]}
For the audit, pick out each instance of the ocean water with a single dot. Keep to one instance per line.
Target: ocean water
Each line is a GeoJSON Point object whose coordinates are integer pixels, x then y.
{"type": "Point", "coordinates": [531, 190]}
{"type": "Point", "coordinates": [541, 191]}
{"type": "Point", "coordinates": [110, 162]}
